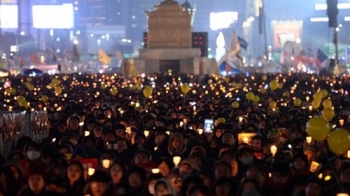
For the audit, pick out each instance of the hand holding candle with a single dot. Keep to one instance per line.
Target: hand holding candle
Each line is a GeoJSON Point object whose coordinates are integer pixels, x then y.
{"type": "Point", "coordinates": [273, 150]}
{"type": "Point", "coordinates": [176, 160]}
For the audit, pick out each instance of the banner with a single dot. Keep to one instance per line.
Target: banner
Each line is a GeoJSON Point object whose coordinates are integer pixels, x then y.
{"type": "Point", "coordinates": [89, 163]}
{"type": "Point", "coordinates": [284, 31]}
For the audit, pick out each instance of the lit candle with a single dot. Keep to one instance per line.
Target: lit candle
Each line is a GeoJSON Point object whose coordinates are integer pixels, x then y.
{"type": "Point", "coordinates": [320, 176]}
{"type": "Point", "coordinates": [307, 98]}
{"type": "Point", "coordinates": [81, 124]}
{"type": "Point", "coordinates": [341, 122]}
{"type": "Point", "coordinates": [146, 132]}
{"type": "Point", "coordinates": [342, 194]}
{"type": "Point", "coordinates": [310, 107]}
{"type": "Point", "coordinates": [106, 163]}
{"type": "Point", "coordinates": [348, 153]}
{"type": "Point", "coordinates": [181, 123]}
{"type": "Point", "coordinates": [328, 177]}
{"type": "Point", "coordinates": [314, 166]}
{"type": "Point", "coordinates": [308, 139]}
{"type": "Point", "coordinates": [240, 118]}
{"type": "Point", "coordinates": [155, 148]}
{"type": "Point", "coordinates": [245, 140]}
{"type": "Point", "coordinates": [91, 171]}
{"type": "Point", "coordinates": [200, 131]}
{"type": "Point", "coordinates": [167, 132]}
{"type": "Point", "coordinates": [273, 150]}
{"type": "Point", "coordinates": [86, 133]}
{"type": "Point", "coordinates": [54, 139]}
{"type": "Point", "coordinates": [176, 160]}
{"type": "Point", "coordinates": [155, 171]}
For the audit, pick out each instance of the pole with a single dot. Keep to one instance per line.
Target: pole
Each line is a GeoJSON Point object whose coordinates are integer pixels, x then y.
{"type": "Point", "coordinates": [336, 71]}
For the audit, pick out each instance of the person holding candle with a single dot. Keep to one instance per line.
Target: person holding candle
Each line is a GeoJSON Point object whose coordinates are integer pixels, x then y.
{"type": "Point", "coordinates": [136, 178]}
{"type": "Point", "coordinates": [300, 166]}
{"type": "Point", "coordinates": [165, 166]}
{"type": "Point", "coordinates": [280, 181]}
{"type": "Point", "coordinates": [344, 178]}
{"type": "Point", "coordinates": [176, 146]}
{"type": "Point", "coordinates": [100, 185]}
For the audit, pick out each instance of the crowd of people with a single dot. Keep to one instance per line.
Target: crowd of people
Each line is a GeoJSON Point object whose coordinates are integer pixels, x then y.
{"type": "Point", "coordinates": [156, 142]}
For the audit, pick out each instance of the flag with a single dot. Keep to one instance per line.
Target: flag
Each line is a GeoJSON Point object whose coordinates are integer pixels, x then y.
{"type": "Point", "coordinates": [321, 56]}
{"type": "Point", "coordinates": [235, 47]}
{"type": "Point", "coordinates": [242, 43]}
{"type": "Point", "coordinates": [103, 57]}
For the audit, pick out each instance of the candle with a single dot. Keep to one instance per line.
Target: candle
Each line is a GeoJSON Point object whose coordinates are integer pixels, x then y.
{"type": "Point", "coordinates": [342, 194]}
{"type": "Point", "coordinates": [54, 139]}
{"type": "Point", "coordinates": [310, 107]}
{"type": "Point", "coordinates": [146, 132]}
{"type": "Point", "coordinates": [327, 178]}
{"type": "Point", "coordinates": [348, 153]}
{"type": "Point", "coordinates": [81, 124]}
{"type": "Point", "coordinates": [167, 132]}
{"type": "Point", "coordinates": [273, 150]}
{"type": "Point", "coordinates": [155, 148]}
{"type": "Point", "coordinates": [314, 166]}
{"type": "Point", "coordinates": [240, 118]}
{"type": "Point", "coordinates": [181, 123]}
{"type": "Point", "coordinates": [176, 160]}
{"type": "Point", "coordinates": [155, 171]}
{"type": "Point", "coordinates": [308, 139]}
{"type": "Point", "coordinates": [200, 131]}
{"type": "Point", "coordinates": [341, 122]}
{"type": "Point", "coordinates": [320, 176]}
{"type": "Point", "coordinates": [91, 171]}
{"type": "Point", "coordinates": [245, 140]}
{"type": "Point", "coordinates": [86, 133]}
{"type": "Point", "coordinates": [106, 163]}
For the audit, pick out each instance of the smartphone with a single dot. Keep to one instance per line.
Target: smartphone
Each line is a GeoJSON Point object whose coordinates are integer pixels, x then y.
{"type": "Point", "coordinates": [208, 125]}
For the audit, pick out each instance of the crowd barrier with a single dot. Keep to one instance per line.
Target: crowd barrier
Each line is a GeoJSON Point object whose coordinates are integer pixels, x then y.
{"type": "Point", "coordinates": [14, 125]}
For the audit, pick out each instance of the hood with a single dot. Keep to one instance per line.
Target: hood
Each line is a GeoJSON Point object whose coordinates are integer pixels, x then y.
{"type": "Point", "coordinates": [181, 149]}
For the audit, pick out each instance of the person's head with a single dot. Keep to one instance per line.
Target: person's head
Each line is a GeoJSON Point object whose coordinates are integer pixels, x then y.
{"type": "Point", "coordinates": [300, 161]}
{"type": "Point", "coordinates": [108, 136]}
{"type": "Point", "coordinates": [73, 122]}
{"type": "Point", "coordinates": [207, 175]}
{"type": "Point", "coordinates": [98, 130]}
{"type": "Point", "coordinates": [142, 156]}
{"type": "Point", "coordinates": [33, 151]}
{"type": "Point", "coordinates": [151, 181]}
{"type": "Point", "coordinates": [162, 187]}
{"type": "Point", "coordinates": [280, 172]}
{"type": "Point", "coordinates": [345, 172]}
{"type": "Point", "coordinates": [140, 138]}
{"type": "Point", "coordinates": [118, 172]}
{"type": "Point", "coordinates": [314, 187]}
{"type": "Point", "coordinates": [246, 156]}
{"type": "Point", "coordinates": [36, 180]}
{"type": "Point", "coordinates": [248, 184]}
{"type": "Point", "coordinates": [228, 138]}
{"type": "Point", "coordinates": [198, 158]}
{"type": "Point", "coordinates": [199, 190]}
{"type": "Point", "coordinates": [222, 168]}
{"type": "Point", "coordinates": [136, 177]}
{"type": "Point", "coordinates": [189, 183]}
{"type": "Point", "coordinates": [75, 172]}
{"type": "Point", "coordinates": [187, 167]}
{"type": "Point", "coordinates": [256, 143]}
{"type": "Point", "coordinates": [120, 130]}
{"type": "Point", "coordinates": [99, 183]}
{"type": "Point", "coordinates": [176, 140]}
{"type": "Point", "coordinates": [225, 186]}
{"type": "Point", "coordinates": [160, 136]}
{"type": "Point", "coordinates": [165, 166]}
{"type": "Point", "coordinates": [258, 173]}
{"type": "Point", "coordinates": [61, 126]}
{"type": "Point", "coordinates": [121, 145]}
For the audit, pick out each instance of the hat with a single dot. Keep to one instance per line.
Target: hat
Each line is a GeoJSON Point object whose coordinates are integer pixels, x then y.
{"type": "Point", "coordinates": [79, 150]}
{"type": "Point", "coordinates": [142, 151]}
{"type": "Point", "coordinates": [189, 163]}
{"type": "Point", "coordinates": [280, 167]}
{"type": "Point", "coordinates": [100, 176]}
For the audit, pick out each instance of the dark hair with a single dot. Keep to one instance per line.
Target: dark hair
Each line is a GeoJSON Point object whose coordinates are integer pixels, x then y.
{"type": "Point", "coordinates": [188, 181]}
{"type": "Point", "coordinates": [244, 181]}
{"type": "Point", "coordinates": [227, 181]}
{"type": "Point", "coordinates": [80, 183]}
{"type": "Point", "coordinates": [124, 169]}
{"type": "Point", "coordinates": [167, 161]}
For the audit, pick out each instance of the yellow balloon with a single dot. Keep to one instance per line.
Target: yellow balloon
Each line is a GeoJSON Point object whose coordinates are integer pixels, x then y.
{"type": "Point", "coordinates": [339, 141]}
{"type": "Point", "coordinates": [8, 91]}
{"type": "Point", "coordinates": [318, 128]}
{"type": "Point", "coordinates": [249, 96]}
{"type": "Point", "coordinates": [280, 85]}
{"type": "Point", "coordinates": [297, 102]}
{"type": "Point", "coordinates": [20, 98]}
{"type": "Point", "coordinates": [264, 77]}
{"type": "Point", "coordinates": [29, 79]}
{"type": "Point", "coordinates": [185, 88]}
{"type": "Point", "coordinates": [286, 94]}
{"type": "Point", "coordinates": [147, 91]}
{"type": "Point", "coordinates": [262, 90]}
{"type": "Point", "coordinates": [44, 98]}
{"type": "Point", "coordinates": [315, 104]}
{"type": "Point", "coordinates": [56, 81]}
{"type": "Point", "coordinates": [114, 91]}
{"type": "Point", "coordinates": [324, 93]}
{"type": "Point", "coordinates": [327, 103]}
{"type": "Point", "coordinates": [220, 120]}
{"type": "Point", "coordinates": [13, 91]}
{"type": "Point", "coordinates": [272, 104]}
{"type": "Point", "coordinates": [318, 96]}
{"type": "Point", "coordinates": [256, 99]}
{"type": "Point", "coordinates": [273, 85]}
{"type": "Point", "coordinates": [235, 105]}
{"type": "Point", "coordinates": [58, 90]}
{"type": "Point", "coordinates": [327, 114]}
{"type": "Point", "coordinates": [103, 86]}
{"type": "Point", "coordinates": [24, 104]}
